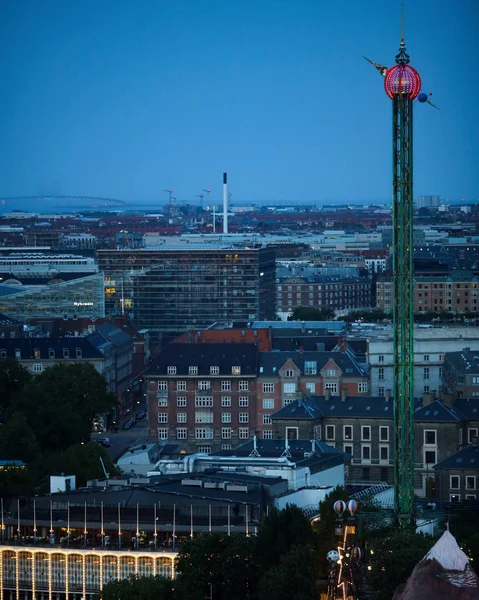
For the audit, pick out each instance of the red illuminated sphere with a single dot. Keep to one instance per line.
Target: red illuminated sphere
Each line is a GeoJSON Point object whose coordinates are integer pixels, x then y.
{"type": "Point", "coordinates": [402, 80]}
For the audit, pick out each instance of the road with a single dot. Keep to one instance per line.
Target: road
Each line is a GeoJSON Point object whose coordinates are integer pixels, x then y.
{"type": "Point", "coordinates": [121, 441]}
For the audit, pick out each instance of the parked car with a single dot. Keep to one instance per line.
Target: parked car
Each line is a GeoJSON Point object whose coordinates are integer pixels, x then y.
{"type": "Point", "coordinates": [104, 441]}
{"type": "Point", "coordinates": [128, 424]}
{"type": "Point", "coordinates": [141, 415]}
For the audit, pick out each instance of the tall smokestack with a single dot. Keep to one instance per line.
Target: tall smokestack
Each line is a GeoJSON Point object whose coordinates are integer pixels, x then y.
{"type": "Point", "coordinates": [225, 203]}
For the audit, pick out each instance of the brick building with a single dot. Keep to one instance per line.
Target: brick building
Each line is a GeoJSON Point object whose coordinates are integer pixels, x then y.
{"type": "Point", "coordinates": [461, 373]}
{"type": "Point", "coordinates": [203, 396]}
{"type": "Point", "coordinates": [335, 292]}
{"type": "Point", "coordinates": [457, 292]}
{"type": "Point", "coordinates": [457, 477]}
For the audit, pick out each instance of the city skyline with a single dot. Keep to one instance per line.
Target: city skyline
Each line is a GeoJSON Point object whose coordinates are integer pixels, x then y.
{"type": "Point", "coordinates": [125, 102]}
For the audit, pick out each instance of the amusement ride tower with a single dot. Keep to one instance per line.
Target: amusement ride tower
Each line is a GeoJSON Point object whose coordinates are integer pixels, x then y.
{"type": "Point", "coordinates": [403, 85]}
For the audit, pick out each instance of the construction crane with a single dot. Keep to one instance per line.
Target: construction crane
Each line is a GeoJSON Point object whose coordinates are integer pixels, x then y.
{"type": "Point", "coordinates": [200, 196]}
{"type": "Point", "coordinates": [207, 192]}
{"type": "Point", "coordinates": [170, 192]}
{"type": "Point", "coordinates": [125, 234]}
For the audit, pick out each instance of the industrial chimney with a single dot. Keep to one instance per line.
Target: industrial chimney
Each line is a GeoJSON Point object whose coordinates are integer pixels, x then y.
{"type": "Point", "coordinates": [225, 203]}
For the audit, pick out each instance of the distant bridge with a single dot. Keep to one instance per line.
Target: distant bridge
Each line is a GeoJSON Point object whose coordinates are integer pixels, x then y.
{"type": "Point", "coordinates": [60, 199]}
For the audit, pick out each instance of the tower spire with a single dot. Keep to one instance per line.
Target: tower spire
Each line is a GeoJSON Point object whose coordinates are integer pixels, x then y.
{"type": "Point", "coordinates": [403, 57]}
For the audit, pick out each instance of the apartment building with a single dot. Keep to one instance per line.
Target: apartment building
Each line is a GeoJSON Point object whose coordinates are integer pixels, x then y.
{"type": "Point", "coordinates": [203, 396]}
{"type": "Point", "coordinates": [457, 292]}
{"type": "Point", "coordinates": [461, 373]}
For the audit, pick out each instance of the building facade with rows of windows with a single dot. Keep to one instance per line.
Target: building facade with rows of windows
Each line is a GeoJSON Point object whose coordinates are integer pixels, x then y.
{"type": "Point", "coordinates": [203, 396]}
{"type": "Point", "coordinates": [363, 427]}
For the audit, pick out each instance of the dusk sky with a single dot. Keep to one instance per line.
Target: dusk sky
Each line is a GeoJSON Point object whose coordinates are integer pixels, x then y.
{"type": "Point", "coordinates": [124, 99]}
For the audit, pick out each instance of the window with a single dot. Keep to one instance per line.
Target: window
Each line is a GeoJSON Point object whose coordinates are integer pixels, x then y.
{"type": "Point", "coordinates": [162, 386]}
{"type": "Point", "coordinates": [330, 432]}
{"type": "Point", "coordinates": [243, 401]}
{"type": "Point", "coordinates": [289, 388]}
{"type": "Point", "coordinates": [441, 357]}
{"type": "Point", "coordinates": [235, 370]}
{"type": "Point", "coordinates": [162, 433]}
{"type": "Point", "coordinates": [430, 437]}
{"type": "Point", "coordinates": [204, 448]}
{"type": "Point", "coordinates": [267, 434]}
{"type": "Point", "coordinates": [51, 353]}
{"type": "Point", "coordinates": [226, 417]}
{"type": "Point", "coordinates": [440, 369]}
{"type": "Point", "coordinates": [366, 433]}
{"type": "Point", "coordinates": [203, 433]}
{"type": "Point", "coordinates": [181, 433]}
{"type": "Point", "coordinates": [226, 433]}
{"type": "Point", "coordinates": [204, 385]}
{"type": "Point", "coordinates": [310, 367]}
{"type": "Point", "coordinates": [225, 401]}
{"type": "Point", "coordinates": [243, 386]}
{"type": "Point", "coordinates": [381, 374]}
{"type": "Point", "coordinates": [267, 420]}
{"type": "Point", "coordinates": [426, 372]}
{"type": "Point", "coordinates": [470, 482]}
{"type": "Point", "coordinates": [426, 389]}
{"type": "Point", "coordinates": [18, 354]}
{"type": "Point", "coordinates": [454, 498]}
{"type": "Point", "coordinates": [291, 433]}
{"type": "Point", "coordinates": [181, 417]}
{"type": "Point", "coordinates": [472, 435]}
{"type": "Point", "coordinates": [362, 387]}
{"type": "Point", "coordinates": [78, 352]}
{"type": "Point", "coordinates": [289, 373]}
{"type": "Point", "coordinates": [348, 432]}
{"type": "Point", "coordinates": [331, 387]}
{"type": "Point", "coordinates": [381, 358]}
{"type": "Point", "coordinates": [162, 417]}
{"type": "Point", "coordinates": [214, 370]}
{"type": "Point", "coordinates": [225, 386]}
{"type": "Point", "coordinates": [384, 454]}
{"type": "Point", "coordinates": [171, 370]}
{"type": "Point", "coordinates": [268, 388]}
{"type": "Point", "coordinates": [460, 437]}
{"type": "Point", "coordinates": [426, 357]}
{"type": "Point", "coordinates": [243, 417]}
{"type": "Point", "coordinates": [381, 392]}
{"type": "Point", "coordinates": [470, 496]}
{"type": "Point", "coordinates": [243, 433]}
{"type": "Point", "coordinates": [331, 373]}
{"type": "Point", "coordinates": [311, 387]}
{"type": "Point", "coordinates": [454, 482]}
{"type": "Point", "coordinates": [348, 448]}
{"type": "Point", "coordinates": [268, 403]}
{"type": "Point", "coordinates": [430, 457]}
{"type": "Point", "coordinates": [384, 433]}
{"type": "Point", "coordinates": [37, 367]}
{"type": "Point", "coordinates": [181, 386]}
{"type": "Point", "coordinates": [162, 401]}
{"type": "Point", "coordinates": [203, 417]}
{"type": "Point", "coordinates": [66, 353]}
{"type": "Point", "coordinates": [181, 401]}
{"type": "Point", "coordinates": [205, 402]}
{"type": "Point", "coordinates": [366, 453]}
{"type": "Point", "coordinates": [192, 370]}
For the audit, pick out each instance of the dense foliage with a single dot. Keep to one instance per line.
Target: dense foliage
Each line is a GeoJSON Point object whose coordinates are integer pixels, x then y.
{"type": "Point", "coordinates": [47, 423]}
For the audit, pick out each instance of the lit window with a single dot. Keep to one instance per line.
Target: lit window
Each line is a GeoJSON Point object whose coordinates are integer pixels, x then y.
{"type": "Point", "coordinates": [235, 370]}
{"type": "Point", "coordinates": [36, 353]}
{"type": "Point", "coordinates": [348, 432]}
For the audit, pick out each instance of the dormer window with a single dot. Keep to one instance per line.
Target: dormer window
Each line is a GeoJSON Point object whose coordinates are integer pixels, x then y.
{"type": "Point", "coordinates": [36, 353]}
{"type": "Point", "coordinates": [214, 370]}
{"type": "Point", "coordinates": [51, 353]}
{"type": "Point", "coordinates": [3, 354]}
{"type": "Point", "coordinates": [331, 373]}
{"type": "Point", "coordinates": [171, 370]}
{"type": "Point", "coordinates": [66, 353]}
{"type": "Point", "coordinates": [235, 370]}
{"type": "Point", "coordinates": [78, 352]}
{"type": "Point", "coordinates": [192, 370]}
{"type": "Point", "coordinates": [18, 353]}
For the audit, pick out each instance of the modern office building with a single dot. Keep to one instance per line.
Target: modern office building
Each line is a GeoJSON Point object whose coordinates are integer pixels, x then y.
{"type": "Point", "coordinates": [67, 295]}
{"type": "Point", "coordinates": [180, 287]}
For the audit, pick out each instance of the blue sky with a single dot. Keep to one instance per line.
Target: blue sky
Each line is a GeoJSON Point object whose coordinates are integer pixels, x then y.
{"type": "Point", "coordinates": [123, 99]}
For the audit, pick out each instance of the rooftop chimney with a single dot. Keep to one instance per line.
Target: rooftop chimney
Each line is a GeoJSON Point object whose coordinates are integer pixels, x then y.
{"type": "Point", "coordinates": [344, 395]}
{"type": "Point", "coordinates": [327, 394]}
{"type": "Point", "coordinates": [225, 203]}
{"type": "Point", "coordinates": [427, 398]}
{"type": "Point", "coordinates": [387, 395]}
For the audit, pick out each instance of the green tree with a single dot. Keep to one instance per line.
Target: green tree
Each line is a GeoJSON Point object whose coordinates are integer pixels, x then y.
{"type": "Point", "coordinates": [306, 313]}
{"type": "Point", "coordinates": [13, 377]}
{"type": "Point", "coordinates": [17, 439]}
{"type": "Point", "coordinates": [295, 578]}
{"type": "Point", "coordinates": [16, 482]}
{"type": "Point", "coordinates": [138, 588]}
{"type": "Point", "coordinates": [280, 531]}
{"type": "Point", "coordinates": [217, 565]}
{"type": "Point", "coordinates": [83, 461]}
{"type": "Point", "coordinates": [392, 558]}
{"type": "Point", "coordinates": [61, 403]}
